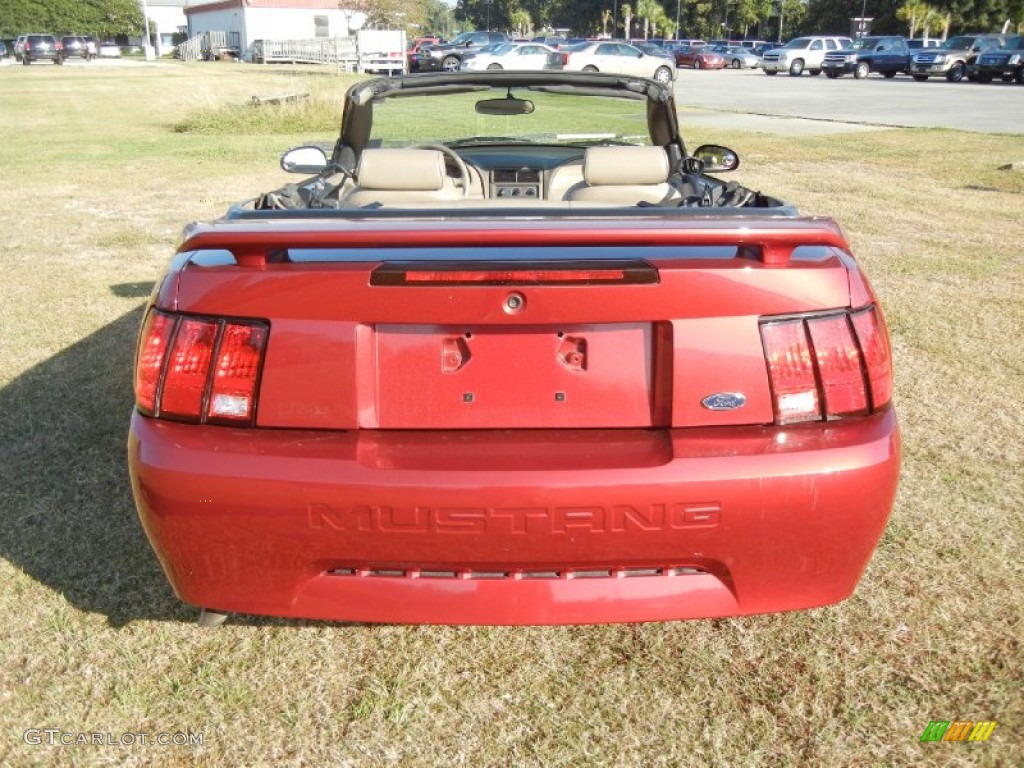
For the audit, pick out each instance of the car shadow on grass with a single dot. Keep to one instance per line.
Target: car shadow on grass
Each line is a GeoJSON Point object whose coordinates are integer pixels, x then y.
{"type": "Point", "coordinates": [68, 518]}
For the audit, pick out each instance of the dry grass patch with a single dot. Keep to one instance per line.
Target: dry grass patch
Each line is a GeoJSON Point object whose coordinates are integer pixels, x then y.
{"type": "Point", "coordinates": [94, 640]}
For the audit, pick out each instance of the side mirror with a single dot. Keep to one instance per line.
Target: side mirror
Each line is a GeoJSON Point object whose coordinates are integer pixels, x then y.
{"type": "Point", "coordinates": [307, 160]}
{"type": "Point", "coordinates": [717, 158]}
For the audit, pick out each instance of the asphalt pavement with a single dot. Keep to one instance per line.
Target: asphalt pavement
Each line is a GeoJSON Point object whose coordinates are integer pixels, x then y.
{"type": "Point", "coordinates": [750, 100]}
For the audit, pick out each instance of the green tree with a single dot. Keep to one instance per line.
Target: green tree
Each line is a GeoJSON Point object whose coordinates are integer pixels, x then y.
{"type": "Point", "coordinates": [102, 18]}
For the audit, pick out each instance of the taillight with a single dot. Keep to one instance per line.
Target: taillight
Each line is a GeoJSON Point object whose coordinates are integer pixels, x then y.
{"type": "Point", "coordinates": [840, 366]}
{"type": "Point", "coordinates": [565, 59]}
{"type": "Point", "coordinates": [874, 343]}
{"type": "Point", "coordinates": [233, 393]}
{"type": "Point", "coordinates": [199, 369]}
{"type": "Point", "coordinates": [156, 332]}
{"type": "Point", "coordinates": [827, 366]}
{"type": "Point", "coordinates": [791, 370]}
{"type": "Point", "coordinates": [188, 368]}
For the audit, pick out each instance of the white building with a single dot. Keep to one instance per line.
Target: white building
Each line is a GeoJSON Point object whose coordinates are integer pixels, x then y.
{"type": "Point", "coordinates": [246, 21]}
{"type": "Point", "coordinates": [167, 18]}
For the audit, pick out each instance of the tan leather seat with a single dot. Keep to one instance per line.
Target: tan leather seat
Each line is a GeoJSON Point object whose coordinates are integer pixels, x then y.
{"type": "Point", "coordinates": [401, 176]}
{"type": "Point", "coordinates": [625, 175]}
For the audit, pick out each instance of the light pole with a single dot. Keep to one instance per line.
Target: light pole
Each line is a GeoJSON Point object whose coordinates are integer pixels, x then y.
{"type": "Point", "coordinates": [146, 47]}
{"type": "Point", "coordinates": [615, 17]}
{"type": "Point", "coordinates": [679, 7]}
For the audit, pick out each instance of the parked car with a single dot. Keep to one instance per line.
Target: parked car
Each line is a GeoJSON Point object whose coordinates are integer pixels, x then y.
{"type": "Point", "coordinates": [39, 48]}
{"type": "Point", "coordinates": [738, 57]}
{"type": "Point", "coordinates": [448, 57]}
{"type": "Point", "coordinates": [886, 55]}
{"type": "Point", "coordinates": [76, 46]}
{"type": "Point", "coordinates": [484, 369]}
{"type": "Point", "coordinates": [519, 56]}
{"type": "Point", "coordinates": [699, 58]}
{"type": "Point", "coordinates": [552, 41]}
{"type": "Point", "coordinates": [109, 50]}
{"type": "Point", "coordinates": [802, 54]}
{"type": "Point", "coordinates": [4, 52]}
{"type": "Point", "coordinates": [952, 58]}
{"type": "Point", "coordinates": [1005, 62]}
{"type": "Point", "coordinates": [612, 56]}
{"type": "Point", "coordinates": [918, 43]}
{"type": "Point", "coordinates": [418, 43]}
{"type": "Point", "coordinates": [653, 49]}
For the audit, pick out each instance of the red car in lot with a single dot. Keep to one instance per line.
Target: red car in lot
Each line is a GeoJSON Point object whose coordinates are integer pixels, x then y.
{"type": "Point", "coordinates": [699, 58]}
{"type": "Point", "coordinates": [502, 373]}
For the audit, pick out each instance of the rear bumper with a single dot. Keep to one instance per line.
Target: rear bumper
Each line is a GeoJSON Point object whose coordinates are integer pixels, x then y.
{"type": "Point", "coordinates": [514, 527]}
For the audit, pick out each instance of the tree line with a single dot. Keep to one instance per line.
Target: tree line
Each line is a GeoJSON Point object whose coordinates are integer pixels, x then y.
{"type": "Point", "coordinates": [708, 19]}
{"type": "Point", "coordinates": [739, 18]}
{"type": "Point", "coordinates": [101, 18]}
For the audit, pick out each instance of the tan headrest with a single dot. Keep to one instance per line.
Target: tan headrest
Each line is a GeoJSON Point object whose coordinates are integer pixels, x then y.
{"type": "Point", "coordinates": [401, 169]}
{"type": "Point", "coordinates": [625, 165]}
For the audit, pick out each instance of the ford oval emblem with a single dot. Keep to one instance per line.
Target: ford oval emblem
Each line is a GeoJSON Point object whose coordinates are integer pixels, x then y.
{"type": "Point", "coordinates": [724, 401]}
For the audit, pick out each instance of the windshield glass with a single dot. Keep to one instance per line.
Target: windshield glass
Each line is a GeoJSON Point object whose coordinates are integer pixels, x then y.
{"type": "Point", "coordinates": [1014, 44]}
{"type": "Point", "coordinates": [555, 119]}
{"type": "Point", "coordinates": [460, 39]}
{"type": "Point", "coordinates": [865, 43]}
{"type": "Point", "coordinates": [800, 42]}
{"type": "Point", "coordinates": [957, 44]}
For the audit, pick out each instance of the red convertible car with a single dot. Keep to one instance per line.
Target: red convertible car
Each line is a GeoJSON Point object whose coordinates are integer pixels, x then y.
{"type": "Point", "coordinates": [512, 367]}
{"type": "Point", "coordinates": [699, 58]}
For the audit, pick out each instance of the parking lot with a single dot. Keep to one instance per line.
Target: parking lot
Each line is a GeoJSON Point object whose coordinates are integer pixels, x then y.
{"type": "Point", "coordinates": [748, 100]}
{"type": "Point", "coordinates": [806, 104]}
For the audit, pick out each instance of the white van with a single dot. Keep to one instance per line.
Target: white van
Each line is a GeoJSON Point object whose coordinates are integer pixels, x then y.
{"type": "Point", "coordinates": [802, 53]}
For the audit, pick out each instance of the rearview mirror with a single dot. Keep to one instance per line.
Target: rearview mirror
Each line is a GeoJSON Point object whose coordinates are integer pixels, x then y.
{"type": "Point", "coordinates": [505, 106]}
{"type": "Point", "coordinates": [308, 159]}
{"type": "Point", "coordinates": [717, 158]}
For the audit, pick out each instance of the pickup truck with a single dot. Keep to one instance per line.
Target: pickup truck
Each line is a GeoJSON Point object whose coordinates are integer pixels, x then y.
{"type": "Point", "coordinates": [887, 56]}
{"type": "Point", "coordinates": [511, 367]}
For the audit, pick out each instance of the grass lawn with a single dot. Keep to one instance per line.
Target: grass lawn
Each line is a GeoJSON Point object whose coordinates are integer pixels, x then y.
{"type": "Point", "coordinates": [103, 166]}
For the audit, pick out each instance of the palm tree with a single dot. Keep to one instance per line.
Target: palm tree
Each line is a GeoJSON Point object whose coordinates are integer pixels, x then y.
{"type": "Point", "coordinates": [606, 19]}
{"type": "Point", "coordinates": [627, 18]}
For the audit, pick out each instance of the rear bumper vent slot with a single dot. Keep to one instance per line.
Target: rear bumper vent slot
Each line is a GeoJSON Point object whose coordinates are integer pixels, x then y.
{"type": "Point", "coordinates": [516, 574]}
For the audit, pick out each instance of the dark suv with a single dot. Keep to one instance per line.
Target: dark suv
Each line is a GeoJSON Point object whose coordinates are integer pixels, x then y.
{"type": "Point", "coordinates": [1006, 63]}
{"type": "Point", "coordinates": [74, 45]}
{"type": "Point", "coordinates": [39, 47]}
{"type": "Point", "coordinates": [448, 57]}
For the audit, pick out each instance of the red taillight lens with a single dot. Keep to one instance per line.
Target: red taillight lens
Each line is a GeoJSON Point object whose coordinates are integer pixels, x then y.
{"type": "Point", "coordinates": [791, 370]}
{"type": "Point", "coordinates": [827, 366]}
{"type": "Point", "coordinates": [840, 366]}
{"type": "Point", "coordinates": [156, 332]}
{"type": "Point", "coordinates": [233, 393]}
{"type": "Point", "coordinates": [199, 369]}
{"type": "Point", "coordinates": [874, 341]}
{"type": "Point", "coordinates": [188, 369]}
